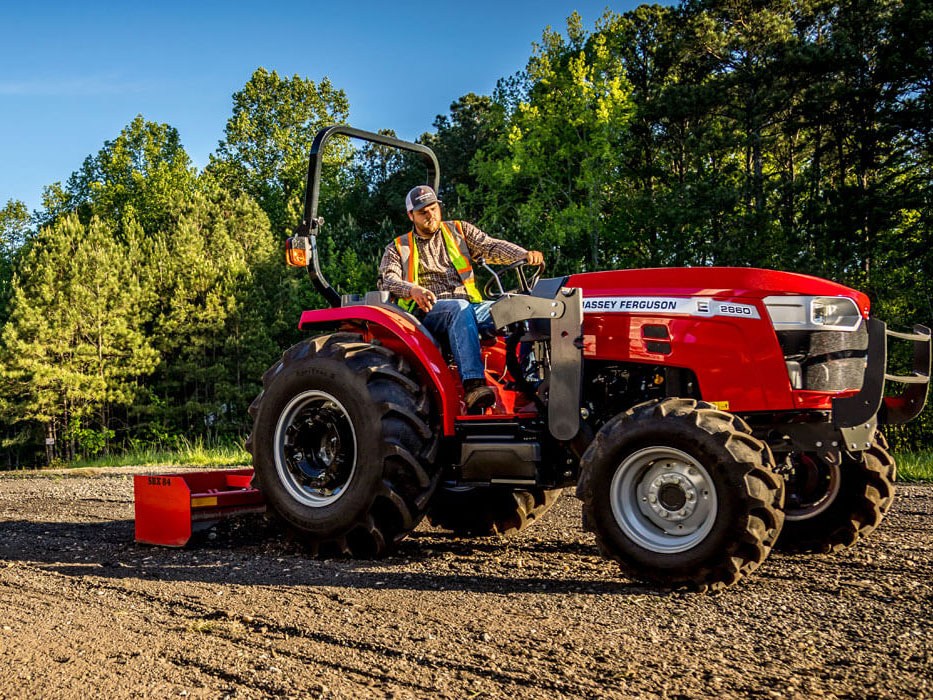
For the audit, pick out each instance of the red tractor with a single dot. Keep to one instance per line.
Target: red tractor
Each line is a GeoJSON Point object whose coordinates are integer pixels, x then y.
{"type": "Point", "coordinates": [705, 415]}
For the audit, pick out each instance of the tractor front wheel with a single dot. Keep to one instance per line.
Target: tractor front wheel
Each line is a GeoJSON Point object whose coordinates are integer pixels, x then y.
{"type": "Point", "coordinates": [342, 445]}
{"type": "Point", "coordinates": [680, 494]}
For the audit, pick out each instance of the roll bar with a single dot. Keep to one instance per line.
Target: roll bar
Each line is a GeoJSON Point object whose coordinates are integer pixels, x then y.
{"type": "Point", "coordinates": [311, 223]}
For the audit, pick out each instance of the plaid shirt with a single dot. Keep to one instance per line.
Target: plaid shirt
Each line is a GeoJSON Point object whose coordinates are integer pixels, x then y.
{"type": "Point", "coordinates": [435, 271]}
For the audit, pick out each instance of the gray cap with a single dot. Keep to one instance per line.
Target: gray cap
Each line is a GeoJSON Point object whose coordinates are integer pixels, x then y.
{"type": "Point", "coordinates": [419, 197]}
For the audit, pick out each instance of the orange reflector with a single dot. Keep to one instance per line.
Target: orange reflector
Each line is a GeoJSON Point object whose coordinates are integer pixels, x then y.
{"type": "Point", "coordinates": [204, 501]}
{"type": "Point", "coordinates": [296, 252]}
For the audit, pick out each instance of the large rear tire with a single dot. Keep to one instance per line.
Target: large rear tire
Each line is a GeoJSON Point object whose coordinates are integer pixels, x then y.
{"type": "Point", "coordinates": [831, 507]}
{"type": "Point", "coordinates": [680, 494]}
{"type": "Point", "coordinates": [477, 511]}
{"type": "Point", "coordinates": [342, 445]}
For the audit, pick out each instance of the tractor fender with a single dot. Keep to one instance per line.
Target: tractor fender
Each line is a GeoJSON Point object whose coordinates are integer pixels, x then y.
{"type": "Point", "coordinates": [403, 334]}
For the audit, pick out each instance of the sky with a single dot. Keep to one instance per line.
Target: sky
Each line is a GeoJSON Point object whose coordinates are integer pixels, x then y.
{"type": "Point", "coordinates": [74, 74]}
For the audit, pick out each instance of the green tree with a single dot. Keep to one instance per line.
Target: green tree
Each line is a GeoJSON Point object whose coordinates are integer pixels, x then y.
{"type": "Point", "coordinates": [746, 44]}
{"type": "Point", "coordinates": [660, 204]}
{"type": "Point", "coordinates": [73, 347]}
{"type": "Point", "coordinates": [371, 194]}
{"type": "Point", "coordinates": [558, 183]}
{"type": "Point", "coordinates": [473, 124]}
{"type": "Point", "coordinates": [14, 228]}
{"type": "Point", "coordinates": [216, 305]}
{"type": "Point", "coordinates": [143, 174]}
{"type": "Point", "coordinates": [266, 142]}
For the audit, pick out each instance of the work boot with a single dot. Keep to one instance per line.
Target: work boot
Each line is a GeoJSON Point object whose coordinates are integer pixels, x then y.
{"type": "Point", "coordinates": [478, 396]}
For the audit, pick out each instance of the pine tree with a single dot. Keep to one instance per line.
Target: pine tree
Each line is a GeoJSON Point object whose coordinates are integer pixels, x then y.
{"type": "Point", "coordinates": [73, 348]}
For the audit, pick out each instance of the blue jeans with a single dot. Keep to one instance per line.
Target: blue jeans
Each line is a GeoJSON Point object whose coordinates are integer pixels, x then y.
{"type": "Point", "coordinates": [461, 322]}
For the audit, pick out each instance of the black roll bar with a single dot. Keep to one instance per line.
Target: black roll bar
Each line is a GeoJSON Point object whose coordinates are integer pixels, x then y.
{"type": "Point", "coordinates": [311, 223]}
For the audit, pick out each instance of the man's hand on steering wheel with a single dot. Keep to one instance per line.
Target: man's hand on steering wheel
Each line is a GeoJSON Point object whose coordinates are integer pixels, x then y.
{"type": "Point", "coordinates": [535, 257]}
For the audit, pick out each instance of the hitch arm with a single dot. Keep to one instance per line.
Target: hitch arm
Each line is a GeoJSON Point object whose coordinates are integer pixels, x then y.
{"type": "Point", "coordinates": [565, 313]}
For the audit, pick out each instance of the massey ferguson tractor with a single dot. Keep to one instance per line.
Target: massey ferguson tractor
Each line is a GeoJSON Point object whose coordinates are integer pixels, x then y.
{"type": "Point", "coordinates": [705, 415]}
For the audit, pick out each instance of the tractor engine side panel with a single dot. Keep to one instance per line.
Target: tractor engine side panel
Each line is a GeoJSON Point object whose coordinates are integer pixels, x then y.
{"type": "Point", "coordinates": [735, 360]}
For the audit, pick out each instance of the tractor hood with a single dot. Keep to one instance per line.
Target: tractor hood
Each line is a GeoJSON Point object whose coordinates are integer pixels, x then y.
{"type": "Point", "coordinates": [751, 284]}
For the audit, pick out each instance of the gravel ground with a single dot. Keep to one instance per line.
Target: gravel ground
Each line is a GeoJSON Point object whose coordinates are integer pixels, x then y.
{"type": "Point", "coordinates": [242, 613]}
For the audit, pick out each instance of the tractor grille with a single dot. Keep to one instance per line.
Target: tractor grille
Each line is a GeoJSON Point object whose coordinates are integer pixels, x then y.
{"type": "Point", "coordinates": [825, 360]}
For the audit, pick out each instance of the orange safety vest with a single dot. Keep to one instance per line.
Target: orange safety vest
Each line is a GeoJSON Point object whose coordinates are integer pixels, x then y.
{"type": "Point", "coordinates": [459, 255]}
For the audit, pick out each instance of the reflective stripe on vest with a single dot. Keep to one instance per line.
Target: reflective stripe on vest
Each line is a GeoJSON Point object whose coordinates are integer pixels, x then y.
{"type": "Point", "coordinates": [405, 245]}
{"type": "Point", "coordinates": [457, 251]}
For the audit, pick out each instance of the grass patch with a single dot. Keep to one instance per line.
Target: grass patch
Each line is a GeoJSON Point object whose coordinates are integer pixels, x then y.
{"type": "Point", "coordinates": [915, 466]}
{"type": "Point", "coordinates": [202, 626]}
{"type": "Point", "coordinates": [188, 454]}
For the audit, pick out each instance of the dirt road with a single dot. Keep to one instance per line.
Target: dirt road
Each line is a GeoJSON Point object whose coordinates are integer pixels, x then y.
{"type": "Point", "coordinates": [87, 613]}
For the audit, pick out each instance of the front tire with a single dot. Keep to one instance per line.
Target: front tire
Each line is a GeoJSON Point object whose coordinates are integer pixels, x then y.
{"type": "Point", "coordinates": [680, 494]}
{"type": "Point", "coordinates": [342, 446]}
{"type": "Point", "coordinates": [831, 507]}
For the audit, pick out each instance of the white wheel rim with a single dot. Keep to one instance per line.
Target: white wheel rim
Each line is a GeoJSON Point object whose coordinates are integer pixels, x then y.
{"type": "Point", "coordinates": [663, 500]}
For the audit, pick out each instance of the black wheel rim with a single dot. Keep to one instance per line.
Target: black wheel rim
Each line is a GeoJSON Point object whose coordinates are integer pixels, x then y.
{"type": "Point", "coordinates": [812, 488]}
{"type": "Point", "coordinates": [316, 448]}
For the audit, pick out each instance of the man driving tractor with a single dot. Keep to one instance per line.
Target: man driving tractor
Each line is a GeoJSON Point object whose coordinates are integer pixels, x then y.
{"type": "Point", "coordinates": [430, 271]}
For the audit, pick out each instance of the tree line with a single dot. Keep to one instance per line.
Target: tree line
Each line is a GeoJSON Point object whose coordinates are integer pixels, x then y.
{"type": "Point", "coordinates": [144, 299]}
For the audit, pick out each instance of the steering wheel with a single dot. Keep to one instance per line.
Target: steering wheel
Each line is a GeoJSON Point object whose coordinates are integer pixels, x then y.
{"type": "Point", "coordinates": [491, 290]}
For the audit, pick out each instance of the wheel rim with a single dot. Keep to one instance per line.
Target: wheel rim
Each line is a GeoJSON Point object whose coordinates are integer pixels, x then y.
{"type": "Point", "coordinates": [663, 499]}
{"type": "Point", "coordinates": [813, 487]}
{"type": "Point", "coordinates": [316, 447]}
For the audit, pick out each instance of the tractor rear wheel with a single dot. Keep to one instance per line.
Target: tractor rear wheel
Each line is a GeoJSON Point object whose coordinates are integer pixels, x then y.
{"type": "Point", "coordinates": [832, 506]}
{"type": "Point", "coordinates": [342, 445]}
{"type": "Point", "coordinates": [680, 494]}
{"type": "Point", "coordinates": [478, 511]}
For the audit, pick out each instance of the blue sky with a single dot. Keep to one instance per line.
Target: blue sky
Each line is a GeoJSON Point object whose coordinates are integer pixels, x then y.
{"type": "Point", "coordinates": [73, 74]}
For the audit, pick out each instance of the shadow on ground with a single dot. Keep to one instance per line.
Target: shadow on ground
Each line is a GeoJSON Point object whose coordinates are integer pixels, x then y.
{"type": "Point", "coordinates": [252, 551]}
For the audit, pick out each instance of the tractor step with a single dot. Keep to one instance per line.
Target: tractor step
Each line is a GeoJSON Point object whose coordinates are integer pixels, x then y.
{"type": "Point", "coordinates": [171, 507]}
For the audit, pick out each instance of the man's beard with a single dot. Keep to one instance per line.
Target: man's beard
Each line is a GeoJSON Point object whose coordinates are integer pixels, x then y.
{"type": "Point", "coordinates": [426, 232]}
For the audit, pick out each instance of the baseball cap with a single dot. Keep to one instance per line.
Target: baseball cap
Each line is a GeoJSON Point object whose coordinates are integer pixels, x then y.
{"type": "Point", "coordinates": [419, 197]}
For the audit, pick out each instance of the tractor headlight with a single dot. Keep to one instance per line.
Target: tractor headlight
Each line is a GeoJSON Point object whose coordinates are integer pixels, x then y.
{"type": "Point", "coordinates": [806, 313]}
{"type": "Point", "coordinates": [835, 313]}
